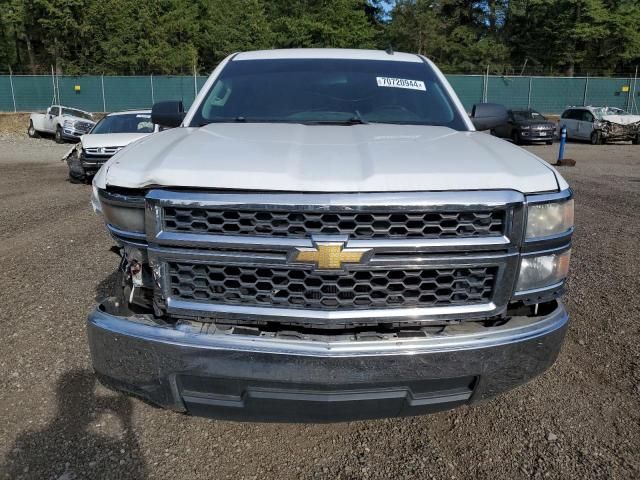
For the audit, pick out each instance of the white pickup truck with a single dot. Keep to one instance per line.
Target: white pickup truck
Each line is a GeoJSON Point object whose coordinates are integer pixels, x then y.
{"type": "Point", "coordinates": [327, 237]}
{"type": "Point", "coordinates": [63, 122]}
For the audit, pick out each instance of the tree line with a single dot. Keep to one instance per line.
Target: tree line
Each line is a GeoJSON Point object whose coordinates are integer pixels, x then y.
{"type": "Point", "coordinates": [129, 37]}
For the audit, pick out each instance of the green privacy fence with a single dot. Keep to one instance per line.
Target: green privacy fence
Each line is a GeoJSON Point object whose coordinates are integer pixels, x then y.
{"type": "Point", "coordinates": [549, 95]}
{"type": "Point", "coordinates": [94, 93]}
{"type": "Point", "coordinates": [112, 93]}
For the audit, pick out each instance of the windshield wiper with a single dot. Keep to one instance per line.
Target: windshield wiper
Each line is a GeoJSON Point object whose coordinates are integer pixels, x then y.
{"type": "Point", "coordinates": [241, 119]}
{"type": "Point", "coordinates": [355, 120]}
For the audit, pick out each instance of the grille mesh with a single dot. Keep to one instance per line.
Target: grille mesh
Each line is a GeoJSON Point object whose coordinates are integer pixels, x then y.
{"type": "Point", "coordinates": [356, 225]}
{"type": "Point", "coordinates": [297, 288]}
{"type": "Point", "coordinates": [102, 152]}
{"type": "Point", "coordinates": [84, 126]}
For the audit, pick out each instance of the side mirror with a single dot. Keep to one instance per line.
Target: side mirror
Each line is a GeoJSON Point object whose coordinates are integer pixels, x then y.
{"type": "Point", "coordinates": [486, 116]}
{"type": "Point", "coordinates": [168, 114]}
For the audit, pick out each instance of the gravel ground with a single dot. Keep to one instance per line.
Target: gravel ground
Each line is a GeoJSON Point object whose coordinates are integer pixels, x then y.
{"type": "Point", "coordinates": [579, 420]}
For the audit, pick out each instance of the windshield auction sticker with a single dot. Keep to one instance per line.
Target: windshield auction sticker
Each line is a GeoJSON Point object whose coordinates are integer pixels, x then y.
{"type": "Point", "coordinates": [401, 83]}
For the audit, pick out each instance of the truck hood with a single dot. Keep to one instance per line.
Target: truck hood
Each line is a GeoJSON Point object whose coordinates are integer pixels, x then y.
{"type": "Point", "coordinates": [73, 118]}
{"type": "Point", "coordinates": [110, 139]}
{"type": "Point", "coordinates": [327, 158]}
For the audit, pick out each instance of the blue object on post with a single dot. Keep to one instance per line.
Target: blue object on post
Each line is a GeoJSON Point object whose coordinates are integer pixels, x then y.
{"type": "Point", "coordinates": [563, 140]}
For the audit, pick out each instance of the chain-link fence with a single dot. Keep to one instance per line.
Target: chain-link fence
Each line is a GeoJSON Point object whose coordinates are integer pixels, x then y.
{"type": "Point", "coordinates": [112, 93]}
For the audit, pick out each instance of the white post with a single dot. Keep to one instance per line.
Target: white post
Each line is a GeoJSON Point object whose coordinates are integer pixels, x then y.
{"type": "Point", "coordinates": [13, 95]}
{"type": "Point", "coordinates": [58, 87]}
{"type": "Point", "coordinates": [53, 80]}
{"type": "Point", "coordinates": [152, 95]}
{"type": "Point", "coordinates": [586, 89]}
{"type": "Point", "coordinates": [485, 94]}
{"type": "Point", "coordinates": [104, 100]}
{"type": "Point", "coordinates": [633, 93]}
{"type": "Point", "coordinates": [195, 82]}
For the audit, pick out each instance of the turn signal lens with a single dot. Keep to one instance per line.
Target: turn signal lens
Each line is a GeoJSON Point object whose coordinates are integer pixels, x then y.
{"type": "Point", "coordinates": [543, 271]}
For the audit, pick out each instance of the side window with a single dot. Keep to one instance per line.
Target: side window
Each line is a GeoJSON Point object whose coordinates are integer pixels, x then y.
{"type": "Point", "coordinates": [587, 117]}
{"type": "Point", "coordinates": [576, 114]}
{"type": "Point", "coordinates": [566, 114]}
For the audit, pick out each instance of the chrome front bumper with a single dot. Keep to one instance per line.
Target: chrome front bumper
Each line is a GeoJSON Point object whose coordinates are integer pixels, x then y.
{"type": "Point", "coordinates": [257, 378]}
{"type": "Point", "coordinates": [72, 133]}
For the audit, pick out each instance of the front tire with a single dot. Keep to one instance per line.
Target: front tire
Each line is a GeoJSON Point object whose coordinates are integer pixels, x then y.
{"type": "Point", "coordinates": [636, 141]}
{"type": "Point", "coordinates": [550, 142]}
{"type": "Point", "coordinates": [516, 138]}
{"type": "Point", "coordinates": [77, 174]}
{"type": "Point", "coordinates": [59, 138]}
{"type": "Point", "coordinates": [31, 131]}
{"type": "Point", "coordinates": [596, 138]}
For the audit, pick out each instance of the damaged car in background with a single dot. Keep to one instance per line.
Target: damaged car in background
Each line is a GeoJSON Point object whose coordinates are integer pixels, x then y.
{"type": "Point", "coordinates": [111, 134]}
{"type": "Point", "coordinates": [600, 125]}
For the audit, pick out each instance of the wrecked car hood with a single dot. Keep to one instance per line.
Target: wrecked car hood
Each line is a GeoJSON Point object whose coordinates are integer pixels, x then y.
{"type": "Point", "coordinates": [622, 119]}
{"type": "Point", "coordinates": [327, 158]}
{"type": "Point", "coordinates": [110, 139]}
{"type": "Point", "coordinates": [105, 140]}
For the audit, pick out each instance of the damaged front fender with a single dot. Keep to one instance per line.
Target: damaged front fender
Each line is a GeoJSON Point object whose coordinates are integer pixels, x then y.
{"type": "Point", "coordinates": [616, 131]}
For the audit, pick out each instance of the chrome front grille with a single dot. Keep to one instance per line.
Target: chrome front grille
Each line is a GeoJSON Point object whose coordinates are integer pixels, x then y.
{"type": "Point", "coordinates": [83, 126]}
{"type": "Point", "coordinates": [427, 256]}
{"type": "Point", "coordinates": [351, 290]}
{"type": "Point", "coordinates": [102, 151]}
{"type": "Point", "coordinates": [357, 225]}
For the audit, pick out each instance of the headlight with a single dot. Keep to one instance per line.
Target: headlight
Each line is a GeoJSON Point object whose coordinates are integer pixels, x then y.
{"type": "Point", "coordinates": [95, 200]}
{"type": "Point", "coordinates": [525, 127]}
{"type": "Point", "coordinates": [546, 219]}
{"type": "Point", "coordinates": [543, 271]}
{"type": "Point", "coordinates": [68, 123]}
{"type": "Point", "coordinates": [122, 212]}
{"type": "Point", "coordinates": [124, 218]}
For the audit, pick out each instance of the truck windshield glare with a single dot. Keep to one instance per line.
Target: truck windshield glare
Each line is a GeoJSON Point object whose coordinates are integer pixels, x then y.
{"type": "Point", "coordinates": [125, 123]}
{"type": "Point", "coordinates": [328, 91]}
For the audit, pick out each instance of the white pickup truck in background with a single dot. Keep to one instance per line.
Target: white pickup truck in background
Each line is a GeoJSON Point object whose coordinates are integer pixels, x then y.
{"type": "Point", "coordinates": [63, 122]}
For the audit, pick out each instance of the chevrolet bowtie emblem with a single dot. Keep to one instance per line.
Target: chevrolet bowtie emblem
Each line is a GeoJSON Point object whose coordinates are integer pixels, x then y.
{"type": "Point", "coordinates": [329, 255]}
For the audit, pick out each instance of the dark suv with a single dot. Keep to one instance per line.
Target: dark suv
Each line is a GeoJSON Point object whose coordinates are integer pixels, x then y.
{"type": "Point", "coordinates": [526, 126]}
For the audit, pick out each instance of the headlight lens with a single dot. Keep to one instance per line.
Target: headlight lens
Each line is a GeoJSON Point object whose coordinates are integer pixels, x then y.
{"type": "Point", "coordinates": [95, 200]}
{"type": "Point", "coordinates": [543, 271]}
{"type": "Point", "coordinates": [130, 219]}
{"type": "Point", "coordinates": [546, 219]}
{"type": "Point", "coordinates": [525, 127]}
{"type": "Point", "coordinates": [124, 212]}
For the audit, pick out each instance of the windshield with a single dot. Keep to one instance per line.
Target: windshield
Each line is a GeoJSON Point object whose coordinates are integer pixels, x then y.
{"type": "Point", "coordinates": [72, 112]}
{"type": "Point", "coordinates": [125, 123]}
{"type": "Point", "coordinates": [328, 91]}
{"type": "Point", "coordinates": [600, 111]}
{"type": "Point", "coordinates": [528, 115]}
